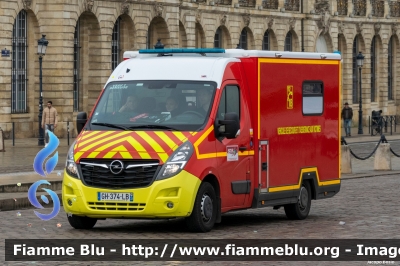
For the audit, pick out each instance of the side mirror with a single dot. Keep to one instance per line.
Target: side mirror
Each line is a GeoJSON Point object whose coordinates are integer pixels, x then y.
{"type": "Point", "coordinates": [81, 119]}
{"type": "Point", "coordinates": [229, 127]}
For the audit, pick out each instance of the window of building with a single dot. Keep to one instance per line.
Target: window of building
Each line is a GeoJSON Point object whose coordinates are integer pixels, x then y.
{"type": "Point", "coordinates": [373, 69]}
{"type": "Point", "coordinates": [266, 40]}
{"type": "Point", "coordinates": [19, 64]}
{"type": "Point", "coordinates": [115, 44]}
{"type": "Point", "coordinates": [218, 38]}
{"type": "Point", "coordinates": [288, 42]}
{"type": "Point", "coordinates": [355, 70]}
{"type": "Point", "coordinates": [313, 98]}
{"type": "Point", "coordinates": [77, 47]}
{"type": "Point", "coordinates": [243, 39]}
{"type": "Point", "coordinates": [390, 69]}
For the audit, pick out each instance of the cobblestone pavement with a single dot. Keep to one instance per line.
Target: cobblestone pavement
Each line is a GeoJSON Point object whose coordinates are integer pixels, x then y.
{"type": "Point", "coordinates": [368, 206]}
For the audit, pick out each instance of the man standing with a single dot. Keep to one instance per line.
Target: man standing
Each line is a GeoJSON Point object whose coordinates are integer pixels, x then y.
{"type": "Point", "coordinates": [347, 115]}
{"type": "Point", "coordinates": [49, 120]}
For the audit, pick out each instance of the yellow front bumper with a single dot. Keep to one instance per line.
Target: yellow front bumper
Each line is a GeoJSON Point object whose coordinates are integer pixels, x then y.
{"type": "Point", "coordinates": [148, 202]}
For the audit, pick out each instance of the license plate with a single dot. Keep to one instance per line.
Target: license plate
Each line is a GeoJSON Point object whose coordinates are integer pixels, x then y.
{"type": "Point", "coordinates": [111, 196]}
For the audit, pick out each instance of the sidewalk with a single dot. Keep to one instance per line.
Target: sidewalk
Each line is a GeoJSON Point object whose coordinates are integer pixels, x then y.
{"type": "Point", "coordinates": [17, 174]}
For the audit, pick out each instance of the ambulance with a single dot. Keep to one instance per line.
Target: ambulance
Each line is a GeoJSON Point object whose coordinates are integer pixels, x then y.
{"type": "Point", "coordinates": [197, 133]}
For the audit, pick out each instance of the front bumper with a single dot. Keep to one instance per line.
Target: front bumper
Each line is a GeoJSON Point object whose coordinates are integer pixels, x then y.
{"type": "Point", "coordinates": [148, 202]}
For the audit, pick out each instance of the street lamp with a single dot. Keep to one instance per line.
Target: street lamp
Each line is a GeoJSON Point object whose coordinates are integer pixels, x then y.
{"type": "Point", "coordinates": [360, 62]}
{"type": "Point", "coordinates": [42, 45]}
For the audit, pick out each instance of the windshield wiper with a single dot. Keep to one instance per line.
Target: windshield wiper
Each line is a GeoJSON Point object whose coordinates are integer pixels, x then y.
{"type": "Point", "coordinates": [111, 125]}
{"type": "Point", "coordinates": [153, 126]}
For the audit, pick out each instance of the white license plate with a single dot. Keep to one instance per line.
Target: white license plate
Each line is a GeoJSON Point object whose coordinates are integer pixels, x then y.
{"type": "Point", "coordinates": [111, 196]}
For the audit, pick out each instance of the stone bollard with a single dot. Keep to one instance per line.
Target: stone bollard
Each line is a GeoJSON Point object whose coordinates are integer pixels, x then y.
{"type": "Point", "coordinates": [382, 157]}
{"type": "Point", "coordinates": [345, 160]}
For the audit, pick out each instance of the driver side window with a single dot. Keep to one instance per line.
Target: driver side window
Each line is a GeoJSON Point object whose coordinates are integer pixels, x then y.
{"type": "Point", "coordinates": [230, 101]}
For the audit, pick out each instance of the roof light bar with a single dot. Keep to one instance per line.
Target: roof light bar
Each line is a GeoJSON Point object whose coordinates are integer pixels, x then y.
{"type": "Point", "coordinates": [183, 51]}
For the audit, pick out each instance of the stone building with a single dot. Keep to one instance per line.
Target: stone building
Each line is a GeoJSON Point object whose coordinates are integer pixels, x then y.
{"type": "Point", "coordinates": [87, 39]}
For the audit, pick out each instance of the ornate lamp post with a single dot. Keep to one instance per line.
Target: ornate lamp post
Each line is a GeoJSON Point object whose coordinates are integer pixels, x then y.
{"type": "Point", "coordinates": [360, 62]}
{"type": "Point", "coordinates": [42, 45]}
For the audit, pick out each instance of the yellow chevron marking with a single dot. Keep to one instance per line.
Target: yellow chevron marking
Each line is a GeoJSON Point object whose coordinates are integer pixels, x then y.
{"type": "Point", "coordinates": [105, 140]}
{"type": "Point", "coordinates": [180, 136]}
{"type": "Point", "coordinates": [193, 133]}
{"type": "Point", "coordinates": [112, 143]}
{"type": "Point", "coordinates": [93, 154]}
{"type": "Point", "coordinates": [86, 139]}
{"type": "Point", "coordinates": [151, 142]}
{"type": "Point", "coordinates": [144, 155]}
{"type": "Point", "coordinates": [110, 154]}
{"type": "Point", "coordinates": [163, 156]}
{"type": "Point", "coordinates": [125, 155]}
{"type": "Point", "coordinates": [120, 148]}
{"type": "Point", "coordinates": [166, 139]}
{"type": "Point", "coordinates": [199, 141]}
{"type": "Point", "coordinates": [138, 147]}
{"type": "Point", "coordinates": [78, 155]}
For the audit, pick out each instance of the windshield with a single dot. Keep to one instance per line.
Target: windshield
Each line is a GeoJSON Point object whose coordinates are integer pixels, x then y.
{"type": "Point", "coordinates": [155, 105]}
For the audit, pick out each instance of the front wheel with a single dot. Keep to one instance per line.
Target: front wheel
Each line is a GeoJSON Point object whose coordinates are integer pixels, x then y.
{"type": "Point", "coordinates": [81, 222]}
{"type": "Point", "coordinates": [301, 209]}
{"type": "Point", "coordinates": [204, 211]}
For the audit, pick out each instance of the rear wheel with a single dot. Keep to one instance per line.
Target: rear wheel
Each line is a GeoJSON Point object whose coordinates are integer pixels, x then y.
{"type": "Point", "coordinates": [301, 209]}
{"type": "Point", "coordinates": [204, 211]}
{"type": "Point", "coordinates": [81, 222]}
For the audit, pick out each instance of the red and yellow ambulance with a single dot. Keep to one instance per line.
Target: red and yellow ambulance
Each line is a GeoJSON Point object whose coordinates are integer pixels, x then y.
{"type": "Point", "coordinates": [197, 133]}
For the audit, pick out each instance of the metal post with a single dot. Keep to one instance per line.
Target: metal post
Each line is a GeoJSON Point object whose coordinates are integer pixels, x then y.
{"type": "Point", "coordinates": [41, 137]}
{"type": "Point", "coordinates": [360, 129]}
{"type": "Point", "coordinates": [391, 124]}
{"type": "Point", "coordinates": [68, 132]}
{"type": "Point", "coordinates": [369, 125]}
{"type": "Point", "coordinates": [13, 134]}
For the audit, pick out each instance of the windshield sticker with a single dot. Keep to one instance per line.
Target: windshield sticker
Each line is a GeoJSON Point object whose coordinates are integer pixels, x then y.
{"type": "Point", "coordinates": [139, 85]}
{"type": "Point", "coordinates": [232, 153]}
{"type": "Point", "coordinates": [206, 85]}
{"type": "Point", "coordinates": [118, 87]}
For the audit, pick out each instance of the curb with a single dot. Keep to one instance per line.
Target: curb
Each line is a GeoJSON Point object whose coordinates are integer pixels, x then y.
{"type": "Point", "coordinates": [23, 203]}
{"type": "Point", "coordinates": [355, 176]}
{"type": "Point", "coordinates": [55, 185]}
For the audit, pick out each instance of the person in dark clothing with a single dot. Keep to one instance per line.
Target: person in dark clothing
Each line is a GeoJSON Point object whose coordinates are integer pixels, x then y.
{"type": "Point", "coordinates": [347, 116]}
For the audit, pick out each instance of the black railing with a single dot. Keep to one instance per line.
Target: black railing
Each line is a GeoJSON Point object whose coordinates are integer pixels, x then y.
{"type": "Point", "coordinates": [381, 124]}
{"type": "Point", "coordinates": [247, 3]}
{"type": "Point", "coordinates": [270, 4]}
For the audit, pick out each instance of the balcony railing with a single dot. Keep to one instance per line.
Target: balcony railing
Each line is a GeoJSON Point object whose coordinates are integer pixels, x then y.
{"type": "Point", "coordinates": [223, 2]}
{"type": "Point", "coordinates": [270, 4]}
{"type": "Point", "coordinates": [247, 3]}
{"type": "Point", "coordinates": [292, 5]}
{"type": "Point", "coordinates": [360, 7]}
{"type": "Point", "coordinates": [394, 9]}
{"type": "Point", "coordinates": [378, 8]}
{"type": "Point", "coordinates": [342, 7]}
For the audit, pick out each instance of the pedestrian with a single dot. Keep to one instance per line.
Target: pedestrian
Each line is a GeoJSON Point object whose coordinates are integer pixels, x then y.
{"type": "Point", "coordinates": [49, 120]}
{"type": "Point", "coordinates": [347, 115]}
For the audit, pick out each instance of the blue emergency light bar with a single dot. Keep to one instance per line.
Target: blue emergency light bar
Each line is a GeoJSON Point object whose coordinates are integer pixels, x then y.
{"type": "Point", "coordinates": [183, 51]}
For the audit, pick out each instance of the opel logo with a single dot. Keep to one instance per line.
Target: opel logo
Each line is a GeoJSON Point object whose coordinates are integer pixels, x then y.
{"type": "Point", "coordinates": [116, 167]}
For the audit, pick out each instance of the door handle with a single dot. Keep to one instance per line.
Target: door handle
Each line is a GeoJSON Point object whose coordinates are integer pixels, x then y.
{"type": "Point", "coordinates": [242, 148]}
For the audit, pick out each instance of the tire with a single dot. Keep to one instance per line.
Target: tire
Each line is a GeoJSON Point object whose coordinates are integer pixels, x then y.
{"type": "Point", "coordinates": [300, 209]}
{"type": "Point", "coordinates": [81, 222]}
{"type": "Point", "coordinates": [204, 211]}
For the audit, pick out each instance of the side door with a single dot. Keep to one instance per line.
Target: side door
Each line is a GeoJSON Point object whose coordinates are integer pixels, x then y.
{"type": "Point", "coordinates": [233, 154]}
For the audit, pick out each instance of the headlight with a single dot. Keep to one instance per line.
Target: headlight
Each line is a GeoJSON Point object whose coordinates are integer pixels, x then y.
{"type": "Point", "coordinates": [70, 165]}
{"type": "Point", "coordinates": [176, 161]}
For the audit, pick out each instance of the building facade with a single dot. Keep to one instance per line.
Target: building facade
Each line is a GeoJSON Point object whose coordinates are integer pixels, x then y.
{"type": "Point", "coordinates": [87, 39]}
